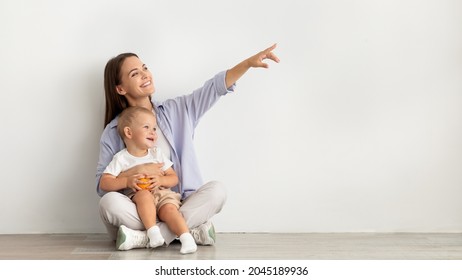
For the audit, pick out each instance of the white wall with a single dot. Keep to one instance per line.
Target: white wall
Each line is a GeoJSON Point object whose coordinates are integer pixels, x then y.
{"type": "Point", "coordinates": [359, 128]}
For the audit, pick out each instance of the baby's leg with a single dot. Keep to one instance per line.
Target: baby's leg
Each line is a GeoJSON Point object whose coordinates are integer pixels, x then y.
{"type": "Point", "coordinates": [172, 217]}
{"type": "Point", "coordinates": [147, 211]}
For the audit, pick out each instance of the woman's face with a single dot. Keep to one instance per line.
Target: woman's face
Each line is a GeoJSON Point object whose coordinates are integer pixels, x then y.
{"type": "Point", "coordinates": [136, 79]}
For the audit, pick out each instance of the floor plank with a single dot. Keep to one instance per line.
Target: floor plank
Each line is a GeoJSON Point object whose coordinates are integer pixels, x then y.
{"type": "Point", "coordinates": [244, 246]}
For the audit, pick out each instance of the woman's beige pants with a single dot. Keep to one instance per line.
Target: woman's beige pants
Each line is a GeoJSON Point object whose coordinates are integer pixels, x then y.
{"type": "Point", "coordinates": [117, 209]}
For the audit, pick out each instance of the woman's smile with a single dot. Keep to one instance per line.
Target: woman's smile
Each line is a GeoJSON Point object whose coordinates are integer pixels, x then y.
{"type": "Point", "coordinates": [148, 83]}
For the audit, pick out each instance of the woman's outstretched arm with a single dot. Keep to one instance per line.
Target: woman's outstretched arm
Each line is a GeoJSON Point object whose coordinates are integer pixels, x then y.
{"type": "Point", "coordinates": [235, 73]}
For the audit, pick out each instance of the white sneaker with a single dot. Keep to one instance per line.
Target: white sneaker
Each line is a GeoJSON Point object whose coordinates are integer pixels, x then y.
{"type": "Point", "coordinates": [128, 239]}
{"type": "Point", "coordinates": [204, 234]}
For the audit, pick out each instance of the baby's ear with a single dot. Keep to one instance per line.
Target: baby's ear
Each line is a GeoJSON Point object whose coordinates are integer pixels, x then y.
{"type": "Point", "coordinates": [128, 132]}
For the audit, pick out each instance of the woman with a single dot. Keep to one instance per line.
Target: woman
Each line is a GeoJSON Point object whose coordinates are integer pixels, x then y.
{"type": "Point", "coordinates": [128, 82]}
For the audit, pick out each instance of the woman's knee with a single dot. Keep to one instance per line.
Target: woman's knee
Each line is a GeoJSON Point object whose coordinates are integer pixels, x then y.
{"type": "Point", "coordinates": [217, 192]}
{"type": "Point", "coordinates": [108, 203]}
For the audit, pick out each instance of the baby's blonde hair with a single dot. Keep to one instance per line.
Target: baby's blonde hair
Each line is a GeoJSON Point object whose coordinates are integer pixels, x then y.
{"type": "Point", "coordinates": [127, 117]}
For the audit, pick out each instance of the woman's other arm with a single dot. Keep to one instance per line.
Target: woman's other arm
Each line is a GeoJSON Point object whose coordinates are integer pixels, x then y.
{"type": "Point", "coordinates": [110, 183]}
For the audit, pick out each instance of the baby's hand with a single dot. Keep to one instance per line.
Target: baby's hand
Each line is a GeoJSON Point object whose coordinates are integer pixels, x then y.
{"type": "Point", "coordinates": [156, 181]}
{"type": "Point", "coordinates": [138, 182]}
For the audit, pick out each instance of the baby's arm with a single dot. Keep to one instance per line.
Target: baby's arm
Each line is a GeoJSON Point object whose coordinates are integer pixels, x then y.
{"type": "Point", "coordinates": [168, 180]}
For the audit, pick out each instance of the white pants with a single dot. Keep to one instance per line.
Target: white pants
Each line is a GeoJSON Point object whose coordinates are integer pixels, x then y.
{"type": "Point", "coordinates": [117, 209]}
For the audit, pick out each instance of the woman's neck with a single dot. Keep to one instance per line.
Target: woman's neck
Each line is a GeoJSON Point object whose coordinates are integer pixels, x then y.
{"type": "Point", "coordinates": [144, 102]}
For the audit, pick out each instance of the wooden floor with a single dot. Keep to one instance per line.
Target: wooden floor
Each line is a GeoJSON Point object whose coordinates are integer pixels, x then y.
{"type": "Point", "coordinates": [248, 246]}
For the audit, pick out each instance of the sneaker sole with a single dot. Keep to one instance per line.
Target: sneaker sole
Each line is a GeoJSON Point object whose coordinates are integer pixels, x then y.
{"type": "Point", "coordinates": [121, 238]}
{"type": "Point", "coordinates": [211, 233]}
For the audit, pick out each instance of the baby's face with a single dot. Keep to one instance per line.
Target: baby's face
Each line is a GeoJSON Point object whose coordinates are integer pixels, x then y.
{"type": "Point", "coordinates": [144, 130]}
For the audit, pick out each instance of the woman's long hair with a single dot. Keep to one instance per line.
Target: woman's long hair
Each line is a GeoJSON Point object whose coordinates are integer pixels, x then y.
{"type": "Point", "coordinates": [115, 103]}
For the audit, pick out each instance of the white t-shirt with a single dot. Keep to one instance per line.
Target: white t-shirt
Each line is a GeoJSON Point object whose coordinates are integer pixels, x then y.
{"type": "Point", "coordinates": [123, 160]}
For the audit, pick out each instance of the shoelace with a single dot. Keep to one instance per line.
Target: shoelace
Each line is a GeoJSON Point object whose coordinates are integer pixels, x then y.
{"type": "Point", "coordinates": [200, 234]}
{"type": "Point", "coordinates": [140, 239]}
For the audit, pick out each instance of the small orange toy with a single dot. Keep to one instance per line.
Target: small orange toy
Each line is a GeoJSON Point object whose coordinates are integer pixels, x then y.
{"type": "Point", "coordinates": [143, 185]}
